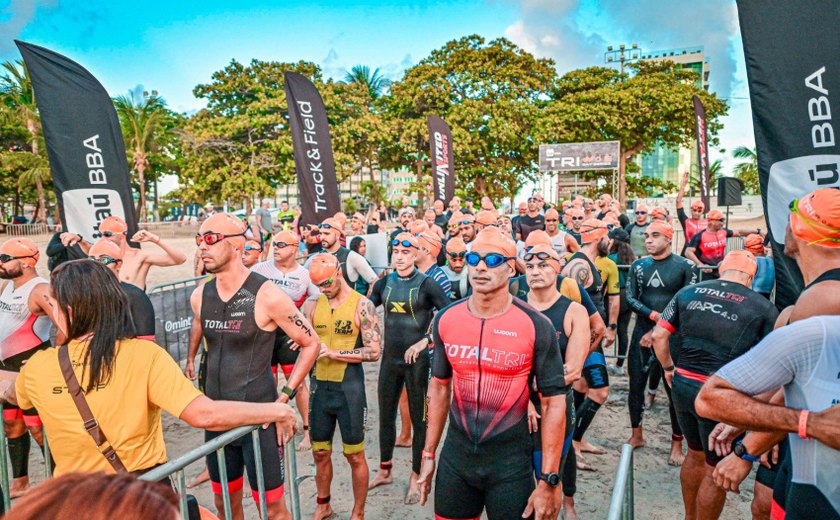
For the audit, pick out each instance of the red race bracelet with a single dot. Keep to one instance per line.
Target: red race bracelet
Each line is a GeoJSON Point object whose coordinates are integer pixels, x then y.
{"type": "Point", "coordinates": [803, 424]}
{"type": "Point", "coordinates": [428, 455]}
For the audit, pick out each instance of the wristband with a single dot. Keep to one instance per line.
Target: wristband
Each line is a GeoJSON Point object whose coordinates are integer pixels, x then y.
{"type": "Point", "coordinates": [288, 392]}
{"type": "Point", "coordinates": [613, 326]}
{"type": "Point", "coordinates": [428, 455]}
{"type": "Point", "coordinates": [669, 368]}
{"type": "Point", "coordinates": [803, 424]}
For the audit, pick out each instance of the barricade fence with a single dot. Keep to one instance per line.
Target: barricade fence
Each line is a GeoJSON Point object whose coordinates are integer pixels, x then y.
{"type": "Point", "coordinates": [622, 505]}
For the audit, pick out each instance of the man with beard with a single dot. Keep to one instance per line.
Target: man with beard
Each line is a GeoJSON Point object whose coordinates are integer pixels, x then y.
{"type": "Point", "coordinates": [467, 229]}
{"type": "Point", "coordinates": [239, 313]}
{"type": "Point", "coordinates": [561, 241]}
{"type": "Point", "coordinates": [24, 330]}
{"type": "Point", "coordinates": [353, 265]}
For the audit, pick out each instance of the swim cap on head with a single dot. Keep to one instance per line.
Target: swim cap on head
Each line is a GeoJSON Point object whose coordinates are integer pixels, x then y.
{"type": "Point", "coordinates": [455, 245]}
{"type": "Point", "coordinates": [537, 236]}
{"type": "Point", "coordinates": [409, 237]}
{"type": "Point", "coordinates": [663, 228]}
{"type": "Point", "coordinates": [610, 219]}
{"type": "Point", "coordinates": [341, 217]}
{"type": "Point", "coordinates": [223, 223]}
{"type": "Point", "coordinates": [739, 260]}
{"type": "Point", "coordinates": [430, 242]}
{"type": "Point", "coordinates": [698, 204]}
{"type": "Point", "coordinates": [575, 212]}
{"type": "Point", "coordinates": [566, 204]}
{"type": "Point", "coordinates": [23, 248]}
{"type": "Point", "coordinates": [714, 215]}
{"type": "Point", "coordinates": [103, 247]}
{"type": "Point", "coordinates": [113, 224]}
{"type": "Point", "coordinates": [816, 218]}
{"type": "Point", "coordinates": [659, 212]}
{"type": "Point", "coordinates": [468, 217]}
{"type": "Point", "coordinates": [486, 217]}
{"type": "Point", "coordinates": [322, 267]}
{"type": "Point", "coordinates": [754, 243]}
{"type": "Point", "coordinates": [552, 213]}
{"type": "Point", "coordinates": [455, 219]}
{"type": "Point", "coordinates": [333, 223]}
{"type": "Point", "coordinates": [592, 230]}
{"type": "Point", "coordinates": [287, 237]}
{"type": "Point", "coordinates": [492, 240]}
{"type": "Point", "coordinates": [254, 245]}
{"type": "Point", "coordinates": [417, 227]}
{"type": "Point", "coordinates": [554, 261]}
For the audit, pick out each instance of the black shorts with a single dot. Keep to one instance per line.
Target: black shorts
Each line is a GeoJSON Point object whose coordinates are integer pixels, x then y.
{"type": "Point", "coordinates": [695, 428]}
{"type": "Point", "coordinates": [496, 477]}
{"type": "Point", "coordinates": [239, 457]}
{"type": "Point", "coordinates": [767, 476]}
{"type": "Point", "coordinates": [344, 404]}
{"type": "Point", "coordinates": [13, 364]}
{"type": "Point", "coordinates": [283, 355]}
{"type": "Point", "coordinates": [595, 370]}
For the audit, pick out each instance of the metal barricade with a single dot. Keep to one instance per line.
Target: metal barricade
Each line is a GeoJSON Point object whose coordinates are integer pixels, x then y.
{"type": "Point", "coordinates": [173, 314]}
{"type": "Point", "coordinates": [622, 500]}
{"type": "Point", "coordinates": [4, 466]}
{"type": "Point", "coordinates": [28, 229]}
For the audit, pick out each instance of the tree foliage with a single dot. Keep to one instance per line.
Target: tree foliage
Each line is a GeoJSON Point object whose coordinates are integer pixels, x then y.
{"type": "Point", "coordinates": [747, 169]}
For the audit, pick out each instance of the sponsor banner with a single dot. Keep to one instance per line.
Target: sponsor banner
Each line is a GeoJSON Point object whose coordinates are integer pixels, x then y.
{"type": "Point", "coordinates": [702, 150]}
{"type": "Point", "coordinates": [568, 157]}
{"type": "Point", "coordinates": [84, 142]}
{"type": "Point", "coordinates": [442, 159]}
{"type": "Point", "coordinates": [794, 89]}
{"type": "Point", "coordinates": [313, 152]}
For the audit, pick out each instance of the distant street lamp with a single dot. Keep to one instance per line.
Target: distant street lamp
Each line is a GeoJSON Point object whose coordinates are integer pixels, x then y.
{"type": "Point", "coordinates": [622, 55]}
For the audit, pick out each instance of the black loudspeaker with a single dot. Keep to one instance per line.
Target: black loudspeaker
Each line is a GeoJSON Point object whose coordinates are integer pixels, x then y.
{"type": "Point", "coordinates": [729, 191]}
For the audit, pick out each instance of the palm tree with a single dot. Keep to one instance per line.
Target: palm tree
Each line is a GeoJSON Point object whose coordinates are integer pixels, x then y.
{"type": "Point", "coordinates": [747, 170]}
{"type": "Point", "coordinates": [374, 82]}
{"type": "Point", "coordinates": [17, 94]}
{"type": "Point", "coordinates": [141, 121]}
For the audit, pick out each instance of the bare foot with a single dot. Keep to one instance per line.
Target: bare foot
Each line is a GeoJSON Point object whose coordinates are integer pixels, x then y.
{"type": "Point", "coordinates": [403, 441]}
{"type": "Point", "coordinates": [323, 512]}
{"type": "Point", "coordinates": [412, 496]}
{"type": "Point", "coordinates": [582, 465]}
{"type": "Point", "coordinates": [569, 512]}
{"type": "Point", "coordinates": [304, 442]}
{"type": "Point", "coordinates": [635, 441]}
{"type": "Point", "coordinates": [201, 478]}
{"type": "Point", "coordinates": [382, 478]}
{"type": "Point", "coordinates": [650, 397]}
{"type": "Point", "coordinates": [585, 447]}
{"type": "Point", "coordinates": [676, 458]}
{"type": "Point", "coordinates": [20, 487]}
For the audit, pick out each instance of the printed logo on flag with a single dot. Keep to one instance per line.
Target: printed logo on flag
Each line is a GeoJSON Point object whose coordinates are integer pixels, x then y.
{"type": "Point", "coordinates": [86, 208]}
{"type": "Point", "coordinates": [793, 179]}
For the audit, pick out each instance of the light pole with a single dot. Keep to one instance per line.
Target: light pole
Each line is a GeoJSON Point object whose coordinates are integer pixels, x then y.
{"type": "Point", "coordinates": [622, 55]}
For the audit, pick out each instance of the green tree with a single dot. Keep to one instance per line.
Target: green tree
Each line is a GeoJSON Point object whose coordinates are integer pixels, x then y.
{"type": "Point", "coordinates": [649, 104]}
{"type": "Point", "coordinates": [373, 82]}
{"type": "Point", "coordinates": [18, 98]}
{"type": "Point", "coordinates": [747, 169]}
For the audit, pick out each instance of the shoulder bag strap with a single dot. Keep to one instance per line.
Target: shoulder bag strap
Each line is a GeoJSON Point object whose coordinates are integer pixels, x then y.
{"type": "Point", "coordinates": [91, 424]}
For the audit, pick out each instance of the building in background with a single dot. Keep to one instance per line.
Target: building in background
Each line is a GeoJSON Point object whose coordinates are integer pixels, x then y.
{"type": "Point", "coordinates": [668, 163]}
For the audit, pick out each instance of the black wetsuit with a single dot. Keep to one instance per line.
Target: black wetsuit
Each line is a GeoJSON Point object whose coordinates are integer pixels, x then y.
{"type": "Point", "coordinates": [239, 369]}
{"type": "Point", "coordinates": [141, 309]}
{"type": "Point", "coordinates": [650, 286]}
{"type": "Point", "coordinates": [716, 321]}
{"type": "Point", "coordinates": [409, 303]}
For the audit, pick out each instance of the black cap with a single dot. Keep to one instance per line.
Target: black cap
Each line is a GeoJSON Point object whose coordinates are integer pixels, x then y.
{"type": "Point", "coordinates": [619, 234]}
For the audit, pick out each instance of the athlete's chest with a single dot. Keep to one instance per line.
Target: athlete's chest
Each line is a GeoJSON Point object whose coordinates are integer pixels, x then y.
{"type": "Point", "coordinates": [402, 297]}
{"type": "Point", "coordinates": [489, 346]}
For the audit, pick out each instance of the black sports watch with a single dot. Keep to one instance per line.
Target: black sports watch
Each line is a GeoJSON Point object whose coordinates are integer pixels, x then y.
{"type": "Point", "coordinates": [289, 392]}
{"type": "Point", "coordinates": [613, 326]}
{"type": "Point", "coordinates": [552, 479]}
{"type": "Point", "coordinates": [741, 451]}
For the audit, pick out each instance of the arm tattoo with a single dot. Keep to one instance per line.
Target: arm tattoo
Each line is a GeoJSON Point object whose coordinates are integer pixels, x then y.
{"type": "Point", "coordinates": [299, 321]}
{"type": "Point", "coordinates": [370, 330]}
{"type": "Point", "coordinates": [579, 272]}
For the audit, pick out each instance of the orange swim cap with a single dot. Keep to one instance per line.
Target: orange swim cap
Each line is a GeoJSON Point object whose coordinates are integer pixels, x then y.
{"type": "Point", "coordinates": [492, 240]}
{"type": "Point", "coordinates": [486, 217]}
{"type": "Point", "coordinates": [739, 260]}
{"type": "Point", "coordinates": [104, 247]}
{"type": "Point", "coordinates": [23, 249]}
{"type": "Point", "coordinates": [227, 225]}
{"type": "Point", "coordinates": [815, 218]}
{"type": "Point", "coordinates": [455, 219]}
{"type": "Point", "coordinates": [333, 223]}
{"type": "Point", "coordinates": [659, 212]}
{"type": "Point", "coordinates": [592, 230]}
{"type": "Point", "coordinates": [566, 204]}
{"type": "Point", "coordinates": [255, 246]}
{"type": "Point", "coordinates": [455, 245]}
{"type": "Point", "coordinates": [113, 224]}
{"type": "Point", "coordinates": [418, 226]}
{"type": "Point", "coordinates": [663, 228]}
{"type": "Point", "coordinates": [287, 237]}
{"type": "Point", "coordinates": [554, 259]}
{"type": "Point", "coordinates": [575, 212]}
{"type": "Point", "coordinates": [410, 238]}
{"type": "Point", "coordinates": [536, 237]}
{"type": "Point", "coordinates": [430, 242]}
{"type": "Point", "coordinates": [341, 218]}
{"type": "Point", "coordinates": [323, 267]}
{"type": "Point", "coordinates": [754, 243]}
{"type": "Point", "coordinates": [698, 204]}
{"type": "Point", "coordinates": [714, 215]}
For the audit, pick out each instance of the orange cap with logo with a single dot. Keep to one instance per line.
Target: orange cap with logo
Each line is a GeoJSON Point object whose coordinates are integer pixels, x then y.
{"type": "Point", "coordinates": [491, 239]}
{"type": "Point", "coordinates": [537, 236]}
{"type": "Point", "coordinates": [113, 224]}
{"type": "Point", "coordinates": [815, 218]}
{"type": "Point", "coordinates": [323, 267]}
{"type": "Point", "coordinates": [754, 243]}
{"type": "Point", "coordinates": [455, 245]}
{"type": "Point", "coordinates": [663, 228]}
{"type": "Point", "coordinates": [418, 226]}
{"type": "Point", "coordinates": [592, 230]}
{"type": "Point", "coordinates": [430, 242]}
{"type": "Point", "coordinates": [333, 223]}
{"type": "Point", "coordinates": [104, 247]}
{"type": "Point", "coordinates": [714, 215]}
{"type": "Point", "coordinates": [554, 259]}
{"type": "Point", "coordinates": [23, 249]}
{"type": "Point", "coordinates": [287, 237]}
{"type": "Point", "coordinates": [739, 260]}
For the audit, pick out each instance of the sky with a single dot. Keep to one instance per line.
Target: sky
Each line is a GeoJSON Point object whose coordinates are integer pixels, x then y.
{"type": "Point", "coordinates": [171, 46]}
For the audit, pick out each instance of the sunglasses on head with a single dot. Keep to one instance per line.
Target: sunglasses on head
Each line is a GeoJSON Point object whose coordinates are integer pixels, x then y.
{"type": "Point", "coordinates": [462, 254]}
{"type": "Point", "coordinates": [213, 238]}
{"type": "Point", "coordinates": [542, 255]}
{"type": "Point", "coordinates": [105, 260]}
{"type": "Point", "coordinates": [9, 258]}
{"type": "Point", "coordinates": [112, 233]}
{"type": "Point", "coordinates": [404, 243]}
{"type": "Point", "coordinates": [252, 248]}
{"type": "Point", "coordinates": [491, 260]}
{"type": "Point", "coordinates": [281, 244]}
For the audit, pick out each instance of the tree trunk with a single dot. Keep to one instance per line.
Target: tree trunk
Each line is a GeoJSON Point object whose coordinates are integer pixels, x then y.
{"type": "Point", "coordinates": [140, 167]}
{"type": "Point", "coordinates": [41, 212]}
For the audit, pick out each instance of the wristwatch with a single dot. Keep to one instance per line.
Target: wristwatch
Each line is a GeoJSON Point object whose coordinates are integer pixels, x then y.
{"type": "Point", "coordinates": [613, 326]}
{"type": "Point", "coordinates": [289, 392]}
{"type": "Point", "coordinates": [552, 479]}
{"type": "Point", "coordinates": [741, 451]}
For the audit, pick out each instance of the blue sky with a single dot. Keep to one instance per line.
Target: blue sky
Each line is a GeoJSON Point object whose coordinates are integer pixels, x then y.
{"type": "Point", "coordinates": [173, 45]}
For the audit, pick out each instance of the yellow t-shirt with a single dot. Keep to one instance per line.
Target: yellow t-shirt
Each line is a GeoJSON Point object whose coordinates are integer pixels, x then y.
{"type": "Point", "coordinates": [145, 379]}
{"type": "Point", "coordinates": [609, 274]}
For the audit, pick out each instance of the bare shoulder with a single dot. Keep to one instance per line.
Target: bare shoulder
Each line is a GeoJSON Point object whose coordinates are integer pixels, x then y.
{"type": "Point", "coordinates": [820, 299]}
